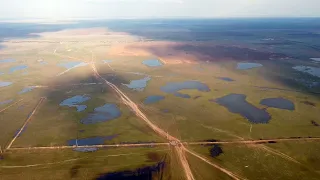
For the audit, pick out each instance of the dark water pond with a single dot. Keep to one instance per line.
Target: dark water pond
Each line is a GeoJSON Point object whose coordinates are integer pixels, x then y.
{"type": "Point", "coordinates": [4, 84]}
{"type": "Point", "coordinates": [7, 60]}
{"type": "Point", "coordinates": [226, 79]}
{"type": "Point", "coordinates": [153, 99]}
{"type": "Point", "coordinates": [244, 66]}
{"type": "Point", "coordinates": [152, 63]}
{"type": "Point", "coordinates": [90, 141]}
{"type": "Point", "coordinates": [138, 85]}
{"type": "Point", "coordinates": [18, 68]}
{"type": "Point", "coordinates": [26, 89]}
{"type": "Point", "coordinates": [72, 64]}
{"type": "Point", "coordinates": [75, 101]}
{"type": "Point", "coordinates": [236, 103]}
{"type": "Point", "coordinates": [174, 87]}
{"type": "Point", "coordinates": [314, 71]}
{"type": "Point", "coordinates": [279, 103]}
{"type": "Point", "coordinates": [101, 114]}
{"type": "Point", "coordinates": [6, 102]}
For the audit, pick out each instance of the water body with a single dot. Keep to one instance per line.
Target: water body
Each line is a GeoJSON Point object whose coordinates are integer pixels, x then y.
{"type": "Point", "coordinates": [18, 68]}
{"type": "Point", "coordinates": [244, 66]}
{"type": "Point", "coordinates": [152, 63]}
{"type": "Point", "coordinates": [90, 141]}
{"type": "Point", "coordinates": [4, 84]}
{"type": "Point", "coordinates": [43, 63]}
{"type": "Point", "coordinates": [314, 71]}
{"type": "Point", "coordinates": [138, 85]}
{"type": "Point", "coordinates": [174, 87]}
{"type": "Point", "coordinates": [75, 101]}
{"type": "Point", "coordinates": [7, 60]}
{"type": "Point", "coordinates": [226, 79]}
{"type": "Point", "coordinates": [236, 103]}
{"type": "Point", "coordinates": [153, 99]}
{"type": "Point", "coordinates": [6, 102]}
{"type": "Point", "coordinates": [27, 89]}
{"type": "Point", "coordinates": [101, 114]}
{"type": "Point", "coordinates": [72, 64]}
{"type": "Point", "coordinates": [315, 59]}
{"type": "Point", "coordinates": [279, 103]}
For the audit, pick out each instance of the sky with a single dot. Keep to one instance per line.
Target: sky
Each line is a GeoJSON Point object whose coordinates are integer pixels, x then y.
{"type": "Point", "coordinates": [111, 9]}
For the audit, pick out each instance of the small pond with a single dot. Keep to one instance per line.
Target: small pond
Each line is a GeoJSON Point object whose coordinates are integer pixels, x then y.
{"type": "Point", "coordinates": [138, 85]}
{"type": "Point", "coordinates": [152, 63]}
{"type": "Point", "coordinates": [4, 84]}
{"type": "Point", "coordinates": [101, 114]}
{"type": "Point", "coordinates": [174, 87]}
{"type": "Point", "coordinates": [236, 103]}
{"type": "Point", "coordinates": [225, 79]}
{"type": "Point", "coordinates": [244, 66]}
{"type": "Point", "coordinates": [26, 89]}
{"type": "Point", "coordinates": [6, 102]}
{"type": "Point", "coordinates": [279, 103]}
{"type": "Point", "coordinates": [314, 71]}
{"type": "Point", "coordinates": [90, 141]}
{"type": "Point", "coordinates": [153, 99]}
{"type": "Point", "coordinates": [75, 101]}
{"type": "Point", "coordinates": [18, 68]}
{"type": "Point", "coordinates": [7, 60]}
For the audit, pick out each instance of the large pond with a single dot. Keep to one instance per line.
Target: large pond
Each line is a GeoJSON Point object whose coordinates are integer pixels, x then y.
{"type": "Point", "coordinates": [244, 66]}
{"type": "Point", "coordinates": [138, 85]}
{"type": "Point", "coordinates": [101, 114]}
{"type": "Point", "coordinates": [236, 103]}
{"type": "Point", "coordinates": [152, 63]}
{"type": "Point", "coordinates": [18, 68]}
{"type": "Point", "coordinates": [75, 101]}
{"type": "Point", "coordinates": [7, 60]}
{"type": "Point", "coordinates": [4, 84]}
{"type": "Point", "coordinates": [175, 87]}
{"type": "Point", "coordinates": [26, 89]}
{"type": "Point", "coordinates": [153, 99]}
{"type": "Point", "coordinates": [314, 71]}
{"type": "Point", "coordinates": [279, 103]}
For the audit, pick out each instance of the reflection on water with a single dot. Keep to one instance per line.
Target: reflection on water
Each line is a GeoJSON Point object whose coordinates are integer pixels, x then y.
{"type": "Point", "coordinates": [236, 103]}
{"type": "Point", "coordinates": [174, 87]}
{"type": "Point", "coordinates": [152, 63]}
{"type": "Point", "coordinates": [244, 66]}
{"type": "Point", "coordinates": [101, 114]}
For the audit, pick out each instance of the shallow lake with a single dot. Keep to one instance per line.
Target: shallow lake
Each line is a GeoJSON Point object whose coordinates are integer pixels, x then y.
{"type": "Point", "coordinates": [244, 66]}
{"type": "Point", "coordinates": [138, 85]}
{"type": "Point", "coordinates": [314, 71]}
{"type": "Point", "coordinates": [26, 89]}
{"type": "Point", "coordinates": [174, 87]}
{"type": "Point", "coordinates": [279, 103]}
{"type": "Point", "coordinates": [236, 103]}
{"type": "Point", "coordinates": [18, 68]}
{"type": "Point", "coordinates": [152, 63]}
{"type": "Point", "coordinates": [101, 114]}
{"type": "Point", "coordinates": [153, 99]}
{"type": "Point", "coordinates": [7, 60]}
{"type": "Point", "coordinates": [75, 101]}
{"type": "Point", "coordinates": [225, 79]}
{"type": "Point", "coordinates": [4, 84]}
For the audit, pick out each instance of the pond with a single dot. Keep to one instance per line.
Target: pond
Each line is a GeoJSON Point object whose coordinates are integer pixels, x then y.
{"type": "Point", "coordinates": [314, 71]}
{"type": "Point", "coordinates": [315, 59]}
{"type": "Point", "coordinates": [152, 63]}
{"type": "Point", "coordinates": [75, 101]}
{"type": "Point", "coordinates": [7, 60]}
{"type": "Point", "coordinates": [101, 114]}
{"type": "Point", "coordinates": [225, 79]}
{"type": "Point", "coordinates": [244, 66]}
{"type": "Point", "coordinates": [18, 68]}
{"type": "Point", "coordinates": [90, 141]}
{"type": "Point", "coordinates": [4, 84]}
{"type": "Point", "coordinates": [153, 99]}
{"type": "Point", "coordinates": [279, 103]}
{"type": "Point", "coordinates": [26, 89]}
{"type": "Point", "coordinates": [236, 103]}
{"type": "Point", "coordinates": [6, 102]}
{"type": "Point", "coordinates": [138, 85]}
{"type": "Point", "coordinates": [174, 87]}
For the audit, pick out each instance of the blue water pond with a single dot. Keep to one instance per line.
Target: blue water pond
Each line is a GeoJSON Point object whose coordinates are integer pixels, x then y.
{"type": "Point", "coordinates": [153, 99]}
{"type": "Point", "coordinates": [18, 68]}
{"type": "Point", "coordinates": [101, 114]}
{"type": "Point", "coordinates": [75, 101]}
{"type": "Point", "coordinates": [138, 85]}
{"type": "Point", "coordinates": [279, 103]}
{"type": "Point", "coordinates": [236, 103]}
{"type": "Point", "coordinates": [244, 66]}
{"type": "Point", "coordinates": [26, 89]}
{"type": "Point", "coordinates": [152, 63]}
{"type": "Point", "coordinates": [4, 84]}
{"type": "Point", "coordinates": [174, 87]}
{"type": "Point", "coordinates": [7, 60]}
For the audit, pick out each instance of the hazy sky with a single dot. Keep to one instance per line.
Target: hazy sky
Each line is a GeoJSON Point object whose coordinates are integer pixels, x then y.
{"type": "Point", "coordinates": [59, 9]}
